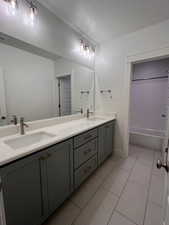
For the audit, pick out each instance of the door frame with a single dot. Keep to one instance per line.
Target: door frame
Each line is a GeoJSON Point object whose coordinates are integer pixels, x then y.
{"type": "Point", "coordinates": [129, 61]}
{"type": "Point", "coordinates": [56, 86]}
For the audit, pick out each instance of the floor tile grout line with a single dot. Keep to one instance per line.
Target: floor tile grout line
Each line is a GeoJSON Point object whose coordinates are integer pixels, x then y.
{"type": "Point", "coordinates": [119, 197]}
{"type": "Point", "coordinates": [99, 186]}
{"type": "Point", "coordinates": [148, 192]}
{"type": "Point", "coordinates": [126, 217]}
{"type": "Point", "coordinates": [75, 204]}
{"type": "Point", "coordinates": [115, 209]}
{"type": "Point", "coordinates": [76, 217]}
{"type": "Point", "coordinates": [122, 192]}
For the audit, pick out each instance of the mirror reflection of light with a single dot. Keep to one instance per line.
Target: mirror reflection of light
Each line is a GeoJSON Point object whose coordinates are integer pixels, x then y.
{"type": "Point", "coordinates": [13, 4]}
{"type": "Point", "coordinates": [28, 21]}
{"type": "Point", "coordinates": [11, 7]}
{"type": "Point", "coordinates": [32, 14]}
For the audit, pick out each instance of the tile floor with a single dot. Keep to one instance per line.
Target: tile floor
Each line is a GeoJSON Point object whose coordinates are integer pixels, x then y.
{"type": "Point", "coordinates": [121, 192]}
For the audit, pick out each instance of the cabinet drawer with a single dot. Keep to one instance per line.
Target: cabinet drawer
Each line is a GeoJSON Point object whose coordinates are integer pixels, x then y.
{"type": "Point", "coordinates": [85, 137]}
{"type": "Point", "coordinates": [84, 171]}
{"type": "Point", "coordinates": [85, 152]}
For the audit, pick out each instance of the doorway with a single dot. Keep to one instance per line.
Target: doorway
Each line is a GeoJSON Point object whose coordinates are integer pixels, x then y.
{"type": "Point", "coordinates": [149, 103]}
{"type": "Point", "coordinates": [158, 184]}
{"type": "Point", "coordinates": [64, 95]}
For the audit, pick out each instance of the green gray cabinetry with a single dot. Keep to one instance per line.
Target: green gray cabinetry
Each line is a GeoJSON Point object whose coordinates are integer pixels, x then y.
{"type": "Point", "coordinates": [32, 188]}
{"type": "Point", "coordinates": [105, 140]}
{"type": "Point", "coordinates": [59, 170]}
{"type": "Point", "coordinates": [22, 192]}
{"type": "Point", "coordinates": [36, 186]}
{"type": "Point", "coordinates": [85, 156]}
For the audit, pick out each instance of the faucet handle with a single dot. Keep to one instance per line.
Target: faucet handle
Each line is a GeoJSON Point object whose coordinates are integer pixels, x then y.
{"type": "Point", "coordinates": [14, 120]}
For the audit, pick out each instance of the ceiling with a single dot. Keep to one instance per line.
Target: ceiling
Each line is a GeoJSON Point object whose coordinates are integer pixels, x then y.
{"type": "Point", "coordinates": [102, 20]}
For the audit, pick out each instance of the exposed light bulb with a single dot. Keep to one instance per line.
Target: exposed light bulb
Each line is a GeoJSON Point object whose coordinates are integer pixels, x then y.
{"type": "Point", "coordinates": [92, 52]}
{"type": "Point", "coordinates": [81, 47]}
{"type": "Point", "coordinates": [33, 12]}
{"type": "Point", "coordinates": [11, 6]}
{"type": "Point", "coordinates": [87, 50]}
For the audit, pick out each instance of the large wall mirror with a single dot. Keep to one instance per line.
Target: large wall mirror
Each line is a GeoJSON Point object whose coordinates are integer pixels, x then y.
{"type": "Point", "coordinates": [37, 87]}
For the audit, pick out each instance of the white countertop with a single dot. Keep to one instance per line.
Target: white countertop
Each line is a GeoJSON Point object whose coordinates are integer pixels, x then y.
{"type": "Point", "coordinates": [61, 131]}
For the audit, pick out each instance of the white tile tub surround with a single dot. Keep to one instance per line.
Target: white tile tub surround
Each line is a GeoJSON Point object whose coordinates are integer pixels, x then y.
{"type": "Point", "coordinates": [62, 129]}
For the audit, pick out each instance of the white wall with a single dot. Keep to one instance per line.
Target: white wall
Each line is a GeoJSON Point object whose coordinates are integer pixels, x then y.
{"type": "Point", "coordinates": [111, 66]}
{"type": "Point", "coordinates": [29, 83]}
{"type": "Point", "coordinates": [48, 33]}
{"type": "Point", "coordinates": [82, 79]}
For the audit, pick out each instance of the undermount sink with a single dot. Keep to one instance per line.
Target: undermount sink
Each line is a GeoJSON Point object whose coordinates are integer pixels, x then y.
{"type": "Point", "coordinates": [28, 140]}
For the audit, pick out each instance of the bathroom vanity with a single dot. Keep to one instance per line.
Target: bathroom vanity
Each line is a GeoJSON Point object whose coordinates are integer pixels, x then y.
{"type": "Point", "coordinates": [36, 179]}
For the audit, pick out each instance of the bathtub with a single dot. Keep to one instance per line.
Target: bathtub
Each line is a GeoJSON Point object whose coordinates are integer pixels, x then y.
{"type": "Point", "coordinates": [148, 138]}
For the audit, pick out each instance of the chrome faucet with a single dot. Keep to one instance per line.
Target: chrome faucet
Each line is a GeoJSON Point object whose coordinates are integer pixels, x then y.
{"type": "Point", "coordinates": [14, 120]}
{"type": "Point", "coordinates": [88, 113]}
{"type": "Point", "coordinates": [22, 126]}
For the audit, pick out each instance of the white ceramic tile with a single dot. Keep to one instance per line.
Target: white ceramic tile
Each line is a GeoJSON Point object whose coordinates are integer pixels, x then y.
{"type": "Point", "coordinates": [158, 172]}
{"type": "Point", "coordinates": [116, 181]}
{"type": "Point", "coordinates": [118, 219]}
{"type": "Point", "coordinates": [133, 201]}
{"type": "Point", "coordinates": [105, 169]}
{"type": "Point", "coordinates": [144, 155]}
{"type": "Point", "coordinates": [65, 215]}
{"type": "Point", "coordinates": [127, 164]}
{"type": "Point", "coordinates": [135, 150]}
{"type": "Point", "coordinates": [141, 174]}
{"type": "Point", "coordinates": [98, 210]}
{"type": "Point", "coordinates": [86, 191]}
{"type": "Point", "coordinates": [153, 214]}
{"type": "Point", "coordinates": [146, 158]}
{"type": "Point", "coordinates": [157, 189]}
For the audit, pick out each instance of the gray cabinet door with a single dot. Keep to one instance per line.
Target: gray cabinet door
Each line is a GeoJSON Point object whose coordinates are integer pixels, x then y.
{"type": "Point", "coordinates": [109, 138]}
{"type": "Point", "coordinates": [105, 140]}
{"type": "Point", "coordinates": [22, 192]}
{"type": "Point", "coordinates": [59, 170]}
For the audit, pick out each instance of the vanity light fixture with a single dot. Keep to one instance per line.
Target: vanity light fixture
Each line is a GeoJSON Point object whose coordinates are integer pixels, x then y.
{"type": "Point", "coordinates": [11, 7]}
{"type": "Point", "coordinates": [86, 50]}
{"type": "Point", "coordinates": [81, 46]}
{"type": "Point", "coordinates": [33, 11]}
{"type": "Point", "coordinates": [13, 4]}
